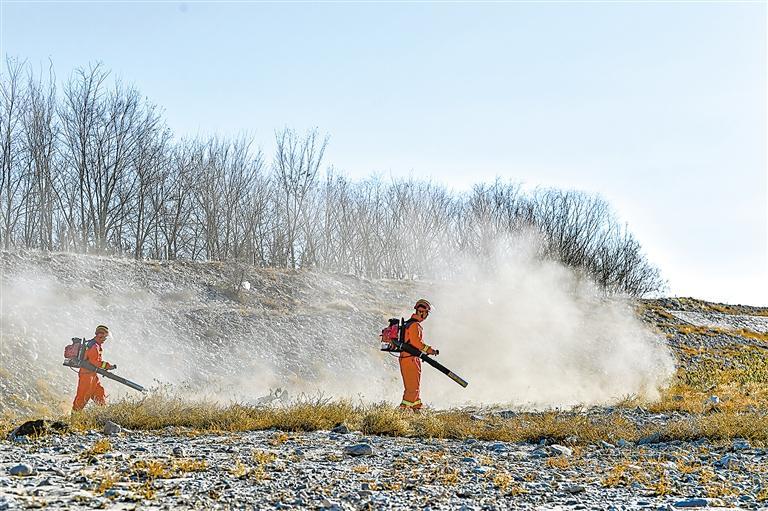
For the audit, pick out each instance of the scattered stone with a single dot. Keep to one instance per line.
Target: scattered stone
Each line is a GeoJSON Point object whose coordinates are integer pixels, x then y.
{"type": "Point", "coordinates": [692, 503]}
{"type": "Point", "coordinates": [498, 447]}
{"type": "Point", "coordinates": [22, 470]}
{"type": "Point", "coordinates": [359, 450]}
{"type": "Point", "coordinates": [551, 450]}
{"type": "Point", "coordinates": [340, 428]}
{"type": "Point", "coordinates": [725, 462]}
{"type": "Point", "coordinates": [111, 428]}
{"type": "Point", "coordinates": [319, 475]}
{"type": "Point", "coordinates": [329, 504]}
{"type": "Point", "coordinates": [8, 502]}
{"type": "Point", "coordinates": [623, 443]}
{"type": "Point", "coordinates": [561, 450]}
{"type": "Point", "coordinates": [38, 428]}
{"type": "Point", "coordinates": [653, 438]}
{"type": "Point", "coordinates": [741, 445]}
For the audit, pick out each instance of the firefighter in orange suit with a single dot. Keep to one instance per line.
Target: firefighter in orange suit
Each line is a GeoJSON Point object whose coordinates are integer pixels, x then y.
{"type": "Point", "coordinates": [410, 365]}
{"type": "Point", "coordinates": [88, 384]}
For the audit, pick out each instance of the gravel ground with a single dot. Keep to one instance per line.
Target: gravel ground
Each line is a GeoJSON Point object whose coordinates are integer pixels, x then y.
{"type": "Point", "coordinates": [330, 470]}
{"type": "Point", "coordinates": [726, 321]}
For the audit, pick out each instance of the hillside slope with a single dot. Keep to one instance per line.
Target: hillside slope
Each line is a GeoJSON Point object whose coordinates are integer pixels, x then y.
{"type": "Point", "coordinates": [234, 332]}
{"type": "Point", "coordinates": [193, 325]}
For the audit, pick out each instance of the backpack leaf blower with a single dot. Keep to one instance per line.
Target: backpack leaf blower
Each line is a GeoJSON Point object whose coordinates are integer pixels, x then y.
{"type": "Point", "coordinates": [393, 341]}
{"type": "Point", "coordinates": [74, 355]}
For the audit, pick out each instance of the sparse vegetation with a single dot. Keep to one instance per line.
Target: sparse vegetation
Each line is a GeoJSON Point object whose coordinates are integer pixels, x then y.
{"type": "Point", "coordinates": [99, 447]}
{"type": "Point", "coordinates": [156, 413]}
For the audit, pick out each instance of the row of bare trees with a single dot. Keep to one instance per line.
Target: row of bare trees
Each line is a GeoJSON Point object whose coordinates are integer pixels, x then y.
{"type": "Point", "coordinates": [93, 168]}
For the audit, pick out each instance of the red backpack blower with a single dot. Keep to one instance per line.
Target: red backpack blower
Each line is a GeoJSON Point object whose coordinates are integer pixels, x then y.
{"type": "Point", "coordinates": [389, 335]}
{"type": "Point", "coordinates": [74, 356]}
{"type": "Point", "coordinates": [74, 353]}
{"type": "Point", "coordinates": [393, 341]}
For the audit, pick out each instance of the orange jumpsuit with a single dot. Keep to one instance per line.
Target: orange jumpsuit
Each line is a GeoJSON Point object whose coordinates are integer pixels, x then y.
{"type": "Point", "coordinates": [410, 366]}
{"type": "Point", "coordinates": [88, 384]}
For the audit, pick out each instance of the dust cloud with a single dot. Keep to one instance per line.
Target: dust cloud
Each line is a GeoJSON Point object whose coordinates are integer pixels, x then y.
{"type": "Point", "coordinates": [531, 332]}
{"type": "Point", "coordinates": [522, 331]}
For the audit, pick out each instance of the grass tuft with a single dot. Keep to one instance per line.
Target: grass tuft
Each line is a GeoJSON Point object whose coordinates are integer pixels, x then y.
{"type": "Point", "coordinates": [734, 419]}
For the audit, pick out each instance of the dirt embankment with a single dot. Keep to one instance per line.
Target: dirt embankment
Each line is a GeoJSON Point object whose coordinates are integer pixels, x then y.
{"type": "Point", "coordinates": [220, 331]}
{"type": "Point", "coordinates": [232, 332]}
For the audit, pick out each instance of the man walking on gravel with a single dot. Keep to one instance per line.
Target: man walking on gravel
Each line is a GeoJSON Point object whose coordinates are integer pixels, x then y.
{"type": "Point", "coordinates": [410, 365]}
{"type": "Point", "coordinates": [88, 384]}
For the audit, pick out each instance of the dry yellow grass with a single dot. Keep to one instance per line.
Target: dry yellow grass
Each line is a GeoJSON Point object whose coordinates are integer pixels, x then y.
{"type": "Point", "coordinates": [737, 375]}
{"type": "Point", "coordinates": [661, 485]}
{"type": "Point", "coordinates": [559, 462]}
{"type": "Point", "coordinates": [105, 481]}
{"type": "Point", "coordinates": [502, 481]}
{"type": "Point", "coordinates": [734, 420]}
{"type": "Point", "coordinates": [99, 447]}
{"type": "Point", "coordinates": [190, 465]}
{"type": "Point", "coordinates": [712, 331]}
{"type": "Point", "coordinates": [151, 469]}
{"type": "Point", "coordinates": [728, 309]}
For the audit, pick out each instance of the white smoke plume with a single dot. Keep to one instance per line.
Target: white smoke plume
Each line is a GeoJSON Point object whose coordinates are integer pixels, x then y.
{"type": "Point", "coordinates": [521, 331]}
{"type": "Point", "coordinates": [534, 333]}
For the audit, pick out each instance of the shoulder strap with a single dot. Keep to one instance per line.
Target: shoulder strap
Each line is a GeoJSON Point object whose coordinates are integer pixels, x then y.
{"type": "Point", "coordinates": [406, 325]}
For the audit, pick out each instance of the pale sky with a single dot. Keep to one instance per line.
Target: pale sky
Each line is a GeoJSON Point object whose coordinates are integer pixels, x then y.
{"type": "Point", "coordinates": [660, 107]}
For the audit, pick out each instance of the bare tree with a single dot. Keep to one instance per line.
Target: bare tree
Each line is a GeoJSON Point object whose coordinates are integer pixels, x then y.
{"type": "Point", "coordinates": [297, 163]}
{"type": "Point", "coordinates": [13, 101]}
{"type": "Point", "coordinates": [41, 131]}
{"type": "Point", "coordinates": [97, 170]}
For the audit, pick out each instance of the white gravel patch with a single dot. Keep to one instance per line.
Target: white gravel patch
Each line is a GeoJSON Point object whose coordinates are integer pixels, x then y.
{"type": "Point", "coordinates": [726, 321]}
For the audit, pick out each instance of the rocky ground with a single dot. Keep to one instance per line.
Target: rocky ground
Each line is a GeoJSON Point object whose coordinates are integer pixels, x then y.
{"type": "Point", "coordinates": [175, 469]}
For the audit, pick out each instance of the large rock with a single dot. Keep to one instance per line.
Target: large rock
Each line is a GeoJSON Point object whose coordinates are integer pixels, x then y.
{"type": "Point", "coordinates": [653, 438]}
{"type": "Point", "coordinates": [546, 451]}
{"type": "Point", "coordinates": [111, 428]}
{"type": "Point", "coordinates": [740, 444]}
{"type": "Point", "coordinates": [22, 470]}
{"type": "Point", "coordinates": [359, 450]}
{"type": "Point", "coordinates": [340, 428]}
{"type": "Point", "coordinates": [692, 503]}
{"type": "Point", "coordinates": [38, 428]}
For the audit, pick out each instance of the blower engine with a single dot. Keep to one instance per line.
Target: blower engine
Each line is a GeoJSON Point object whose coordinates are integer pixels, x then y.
{"type": "Point", "coordinates": [393, 341]}
{"type": "Point", "coordinates": [74, 357]}
{"type": "Point", "coordinates": [74, 353]}
{"type": "Point", "coordinates": [389, 335]}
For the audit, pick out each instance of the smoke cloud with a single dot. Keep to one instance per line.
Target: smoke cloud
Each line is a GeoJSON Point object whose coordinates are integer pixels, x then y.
{"type": "Point", "coordinates": [522, 331]}
{"type": "Point", "coordinates": [532, 332]}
